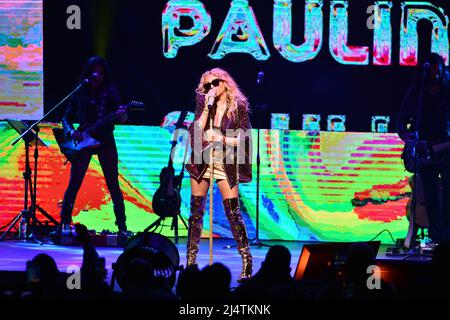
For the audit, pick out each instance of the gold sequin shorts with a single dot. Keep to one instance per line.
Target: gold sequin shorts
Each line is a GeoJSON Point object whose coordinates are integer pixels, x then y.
{"type": "Point", "coordinates": [219, 172]}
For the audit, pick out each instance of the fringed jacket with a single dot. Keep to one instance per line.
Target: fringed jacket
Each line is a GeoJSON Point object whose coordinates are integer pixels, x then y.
{"type": "Point", "coordinates": [236, 159]}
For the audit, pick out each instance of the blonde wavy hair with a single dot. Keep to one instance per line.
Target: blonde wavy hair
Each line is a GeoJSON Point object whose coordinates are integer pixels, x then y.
{"type": "Point", "coordinates": [234, 95]}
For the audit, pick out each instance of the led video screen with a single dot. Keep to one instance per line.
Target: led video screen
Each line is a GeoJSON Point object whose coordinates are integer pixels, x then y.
{"type": "Point", "coordinates": [21, 59]}
{"type": "Point", "coordinates": [314, 186]}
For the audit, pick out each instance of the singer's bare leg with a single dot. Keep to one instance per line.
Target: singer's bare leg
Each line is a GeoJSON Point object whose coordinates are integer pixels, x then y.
{"type": "Point", "coordinates": [226, 191]}
{"type": "Point", "coordinates": [199, 189]}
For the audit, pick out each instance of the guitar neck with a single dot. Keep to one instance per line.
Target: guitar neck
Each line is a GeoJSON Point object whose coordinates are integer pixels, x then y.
{"type": "Point", "coordinates": [441, 147]}
{"type": "Point", "coordinates": [178, 125]}
{"type": "Point", "coordinates": [109, 119]}
{"type": "Point", "coordinates": [170, 163]}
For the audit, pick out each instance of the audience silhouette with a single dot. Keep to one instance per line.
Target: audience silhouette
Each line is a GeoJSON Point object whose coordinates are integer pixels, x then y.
{"type": "Point", "coordinates": [215, 282]}
{"type": "Point", "coordinates": [141, 283]}
{"type": "Point", "coordinates": [187, 286]}
{"type": "Point", "coordinates": [44, 278]}
{"type": "Point", "coordinates": [273, 281]}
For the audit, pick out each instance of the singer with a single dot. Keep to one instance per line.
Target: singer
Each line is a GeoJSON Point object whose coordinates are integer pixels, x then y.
{"type": "Point", "coordinates": [97, 99]}
{"type": "Point", "coordinates": [219, 97]}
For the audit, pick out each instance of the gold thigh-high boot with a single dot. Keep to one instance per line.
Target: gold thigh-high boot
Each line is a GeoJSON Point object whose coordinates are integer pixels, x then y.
{"type": "Point", "coordinates": [237, 225]}
{"type": "Point", "coordinates": [195, 228]}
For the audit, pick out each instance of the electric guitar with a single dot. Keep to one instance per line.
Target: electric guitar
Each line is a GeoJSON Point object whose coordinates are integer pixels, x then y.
{"type": "Point", "coordinates": [71, 147]}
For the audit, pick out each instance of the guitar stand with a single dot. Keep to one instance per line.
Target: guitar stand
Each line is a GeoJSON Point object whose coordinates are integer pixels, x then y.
{"type": "Point", "coordinates": [154, 225]}
{"type": "Point", "coordinates": [174, 225]}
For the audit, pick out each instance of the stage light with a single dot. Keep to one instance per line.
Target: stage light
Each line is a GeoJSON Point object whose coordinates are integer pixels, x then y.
{"type": "Point", "coordinates": [102, 24]}
{"type": "Point", "coordinates": [336, 123]}
{"type": "Point", "coordinates": [311, 122]}
{"type": "Point", "coordinates": [380, 124]}
{"type": "Point", "coordinates": [280, 121]}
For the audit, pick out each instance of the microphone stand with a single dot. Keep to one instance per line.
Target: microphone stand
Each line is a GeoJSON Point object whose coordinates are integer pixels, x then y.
{"type": "Point", "coordinates": [32, 210]}
{"type": "Point", "coordinates": [28, 189]}
{"type": "Point", "coordinates": [256, 241]}
{"type": "Point", "coordinates": [410, 238]}
{"type": "Point", "coordinates": [211, 185]}
{"type": "Point", "coordinates": [262, 110]}
{"type": "Point", "coordinates": [409, 242]}
{"type": "Point", "coordinates": [48, 113]}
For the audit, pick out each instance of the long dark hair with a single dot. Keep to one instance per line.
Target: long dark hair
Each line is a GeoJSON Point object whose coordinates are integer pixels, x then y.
{"type": "Point", "coordinates": [88, 69]}
{"type": "Point", "coordinates": [424, 70]}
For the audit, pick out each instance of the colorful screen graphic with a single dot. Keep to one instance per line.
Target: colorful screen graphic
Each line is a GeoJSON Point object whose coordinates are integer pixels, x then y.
{"type": "Point", "coordinates": [241, 33]}
{"type": "Point", "coordinates": [326, 186]}
{"type": "Point", "coordinates": [21, 59]}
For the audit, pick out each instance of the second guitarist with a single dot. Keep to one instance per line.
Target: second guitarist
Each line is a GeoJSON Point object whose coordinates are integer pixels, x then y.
{"type": "Point", "coordinates": [424, 117]}
{"type": "Point", "coordinates": [93, 103]}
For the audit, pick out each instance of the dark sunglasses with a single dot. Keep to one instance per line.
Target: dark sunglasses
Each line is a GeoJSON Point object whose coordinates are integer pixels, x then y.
{"type": "Point", "coordinates": [215, 83]}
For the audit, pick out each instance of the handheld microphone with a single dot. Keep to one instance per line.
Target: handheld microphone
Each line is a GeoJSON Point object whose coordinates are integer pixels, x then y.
{"type": "Point", "coordinates": [93, 76]}
{"type": "Point", "coordinates": [260, 78]}
{"type": "Point", "coordinates": [210, 101]}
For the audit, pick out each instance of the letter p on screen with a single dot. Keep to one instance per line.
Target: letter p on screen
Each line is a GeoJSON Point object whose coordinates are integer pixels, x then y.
{"type": "Point", "coordinates": [184, 23]}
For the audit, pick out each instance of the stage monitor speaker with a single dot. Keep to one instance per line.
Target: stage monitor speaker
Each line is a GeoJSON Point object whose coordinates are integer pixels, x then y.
{"type": "Point", "coordinates": [405, 274]}
{"type": "Point", "coordinates": [317, 261]}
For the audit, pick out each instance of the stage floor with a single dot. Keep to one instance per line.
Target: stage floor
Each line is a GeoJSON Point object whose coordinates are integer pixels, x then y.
{"type": "Point", "coordinates": [15, 254]}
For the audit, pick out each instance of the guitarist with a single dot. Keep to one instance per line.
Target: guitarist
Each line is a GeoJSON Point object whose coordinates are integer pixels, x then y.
{"type": "Point", "coordinates": [93, 103]}
{"type": "Point", "coordinates": [426, 109]}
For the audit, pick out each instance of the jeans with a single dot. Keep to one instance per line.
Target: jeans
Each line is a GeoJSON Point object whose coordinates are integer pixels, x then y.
{"type": "Point", "coordinates": [108, 158]}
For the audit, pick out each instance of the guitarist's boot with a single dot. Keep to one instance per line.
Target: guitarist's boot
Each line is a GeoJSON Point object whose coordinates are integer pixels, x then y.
{"type": "Point", "coordinates": [123, 235]}
{"type": "Point", "coordinates": [66, 214]}
{"type": "Point", "coordinates": [237, 226]}
{"type": "Point", "coordinates": [63, 232]}
{"type": "Point", "coordinates": [119, 212]}
{"type": "Point", "coordinates": [195, 228]}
